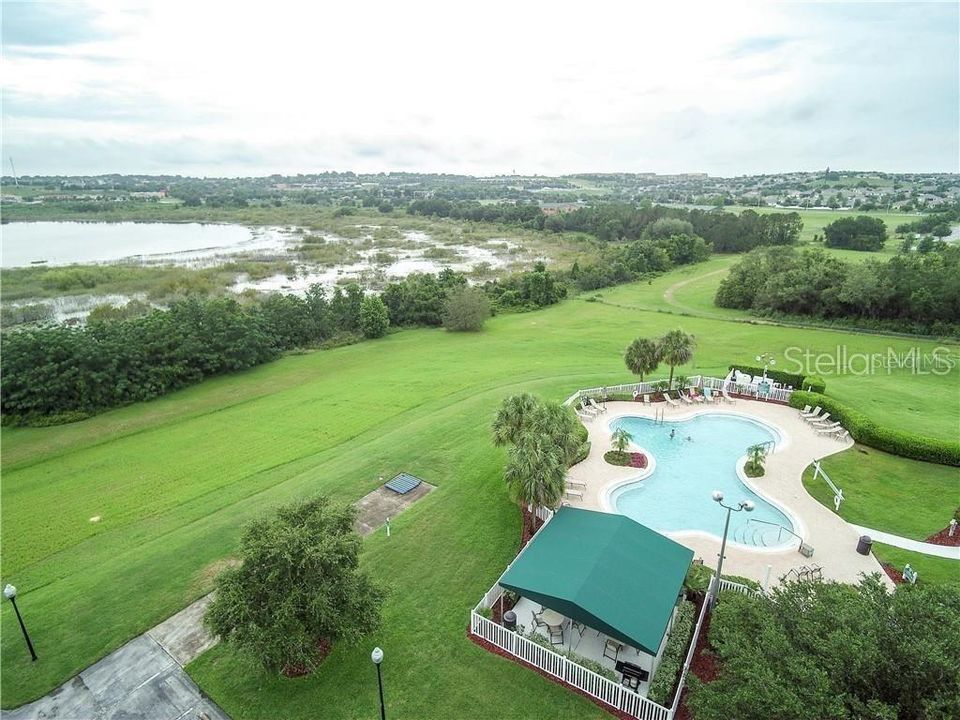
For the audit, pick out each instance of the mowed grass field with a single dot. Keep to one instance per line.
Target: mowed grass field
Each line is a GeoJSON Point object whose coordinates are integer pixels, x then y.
{"type": "Point", "coordinates": [175, 479]}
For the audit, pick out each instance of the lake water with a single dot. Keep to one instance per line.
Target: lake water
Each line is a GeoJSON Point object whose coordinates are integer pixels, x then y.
{"type": "Point", "coordinates": [63, 243]}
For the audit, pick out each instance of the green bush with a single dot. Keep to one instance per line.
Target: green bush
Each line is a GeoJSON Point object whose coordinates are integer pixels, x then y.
{"type": "Point", "coordinates": [674, 654]}
{"type": "Point", "coordinates": [814, 383]}
{"type": "Point", "coordinates": [865, 431]}
{"type": "Point", "coordinates": [582, 454]}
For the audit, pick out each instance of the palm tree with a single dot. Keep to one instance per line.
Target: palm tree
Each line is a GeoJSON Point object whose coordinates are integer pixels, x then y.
{"type": "Point", "coordinates": [559, 425]}
{"type": "Point", "coordinates": [535, 473]}
{"type": "Point", "coordinates": [676, 348]}
{"type": "Point", "coordinates": [621, 438]}
{"type": "Point", "coordinates": [512, 418]}
{"type": "Point", "coordinates": [642, 357]}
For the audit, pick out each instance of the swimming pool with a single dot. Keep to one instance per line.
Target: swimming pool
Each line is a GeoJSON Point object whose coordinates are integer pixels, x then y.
{"type": "Point", "coordinates": [701, 457]}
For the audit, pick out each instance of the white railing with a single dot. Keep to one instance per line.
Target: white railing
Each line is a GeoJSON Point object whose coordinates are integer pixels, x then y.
{"type": "Point", "coordinates": [652, 386]}
{"type": "Point", "coordinates": [837, 492]}
{"type": "Point", "coordinates": [725, 585]}
{"type": "Point", "coordinates": [691, 651]}
{"type": "Point", "coordinates": [597, 686]}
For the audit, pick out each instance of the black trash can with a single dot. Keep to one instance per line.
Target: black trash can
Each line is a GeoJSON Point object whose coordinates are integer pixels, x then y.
{"type": "Point", "coordinates": [864, 545]}
{"type": "Point", "coordinates": [510, 620]}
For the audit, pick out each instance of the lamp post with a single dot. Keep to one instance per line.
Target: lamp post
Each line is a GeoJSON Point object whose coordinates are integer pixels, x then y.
{"type": "Point", "coordinates": [742, 505]}
{"type": "Point", "coordinates": [377, 657]}
{"type": "Point", "coordinates": [10, 592]}
{"type": "Point", "coordinates": [767, 359]}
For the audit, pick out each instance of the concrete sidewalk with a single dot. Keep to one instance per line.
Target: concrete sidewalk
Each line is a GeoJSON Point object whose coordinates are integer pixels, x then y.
{"type": "Point", "coordinates": [943, 551]}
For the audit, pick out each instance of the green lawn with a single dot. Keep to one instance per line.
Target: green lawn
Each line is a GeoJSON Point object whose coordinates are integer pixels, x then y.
{"type": "Point", "coordinates": [174, 480]}
{"type": "Point", "coordinates": [885, 492]}
{"type": "Point", "coordinates": [932, 569]}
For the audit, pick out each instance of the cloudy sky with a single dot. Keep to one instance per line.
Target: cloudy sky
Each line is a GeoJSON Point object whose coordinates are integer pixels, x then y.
{"type": "Point", "coordinates": [236, 88]}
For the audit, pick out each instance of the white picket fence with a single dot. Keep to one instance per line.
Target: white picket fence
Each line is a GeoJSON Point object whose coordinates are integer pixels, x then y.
{"type": "Point", "coordinates": [596, 686]}
{"type": "Point", "coordinates": [650, 387]}
{"type": "Point", "coordinates": [737, 587]}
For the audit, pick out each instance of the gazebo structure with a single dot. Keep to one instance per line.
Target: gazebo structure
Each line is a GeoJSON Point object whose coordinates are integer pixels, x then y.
{"type": "Point", "coordinates": [601, 585]}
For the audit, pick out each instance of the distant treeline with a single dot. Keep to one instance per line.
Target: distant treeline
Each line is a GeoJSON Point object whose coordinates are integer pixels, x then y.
{"type": "Point", "coordinates": [59, 374]}
{"type": "Point", "coordinates": [613, 222]}
{"type": "Point", "coordinates": [913, 292]}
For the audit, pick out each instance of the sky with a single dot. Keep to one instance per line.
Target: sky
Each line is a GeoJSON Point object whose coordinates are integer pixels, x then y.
{"type": "Point", "coordinates": [210, 88]}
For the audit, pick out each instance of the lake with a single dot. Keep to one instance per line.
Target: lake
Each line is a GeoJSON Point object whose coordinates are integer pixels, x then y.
{"type": "Point", "coordinates": [64, 243]}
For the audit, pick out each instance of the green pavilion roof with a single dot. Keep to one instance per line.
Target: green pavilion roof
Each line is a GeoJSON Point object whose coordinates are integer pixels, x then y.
{"type": "Point", "coordinates": [607, 571]}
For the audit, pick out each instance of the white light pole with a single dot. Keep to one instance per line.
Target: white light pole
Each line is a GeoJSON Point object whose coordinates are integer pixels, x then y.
{"type": "Point", "coordinates": [767, 359]}
{"type": "Point", "coordinates": [10, 592]}
{"type": "Point", "coordinates": [742, 505]}
{"type": "Point", "coordinates": [377, 657]}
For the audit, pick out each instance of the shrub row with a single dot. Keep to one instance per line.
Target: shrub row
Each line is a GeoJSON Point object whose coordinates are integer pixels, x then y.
{"type": "Point", "coordinates": [813, 383]}
{"type": "Point", "coordinates": [668, 671]}
{"type": "Point", "coordinates": [865, 431]}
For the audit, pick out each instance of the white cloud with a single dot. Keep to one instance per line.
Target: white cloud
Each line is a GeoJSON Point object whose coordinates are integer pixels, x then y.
{"type": "Point", "coordinates": [211, 88]}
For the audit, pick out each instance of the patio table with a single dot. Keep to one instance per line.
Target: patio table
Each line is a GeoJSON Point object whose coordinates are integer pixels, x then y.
{"type": "Point", "coordinates": [552, 617]}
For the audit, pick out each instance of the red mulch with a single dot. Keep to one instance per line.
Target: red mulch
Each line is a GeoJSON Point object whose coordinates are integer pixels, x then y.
{"type": "Point", "coordinates": [893, 573]}
{"type": "Point", "coordinates": [295, 670]}
{"type": "Point", "coordinates": [943, 537]}
{"type": "Point", "coordinates": [705, 665]}
{"type": "Point", "coordinates": [638, 460]}
{"type": "Point", "coordinates": [525, 533]}
{"type": "Point", "coordinates": [490, 647]}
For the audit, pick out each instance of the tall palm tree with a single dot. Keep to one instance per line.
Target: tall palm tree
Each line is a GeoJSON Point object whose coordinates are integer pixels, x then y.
{"type": "Point", "coordinates": [512, 418]}
{"type": "Point", "coordinates": [642, 357]}
{"type": "Point", "coordinates": [559, 424]}
{"type": "Point", "coordinates": [676, 348]}
{"type": "Point", "coordinates": [535, 473]}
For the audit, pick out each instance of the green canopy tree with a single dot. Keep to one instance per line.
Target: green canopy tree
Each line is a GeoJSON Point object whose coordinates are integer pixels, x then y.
{"type": "Point", "coordinates": [298, 588]}
{"type": "Point", "coordinates": [676, 348]}
{"type": "Point", "coordinates": [642, 357]}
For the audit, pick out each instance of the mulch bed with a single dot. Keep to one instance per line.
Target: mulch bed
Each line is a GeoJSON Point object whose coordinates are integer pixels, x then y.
{"type": "Point", "coordinates": [525, 532]}
{"type": "Point", "coordinates": [636, 460]}
{"type": "Point", "coordinates": [705, 665]}
{"type": "Point", "coordinates": [892, 573]}
{"type": "Point", "coordinates": [943, 537]}
{"type": "Point", "coordinates": [295, 670]}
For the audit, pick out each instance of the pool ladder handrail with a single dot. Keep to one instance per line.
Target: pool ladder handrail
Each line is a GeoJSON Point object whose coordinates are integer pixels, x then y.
{"type": "Point", "coordinates": [776, 525]}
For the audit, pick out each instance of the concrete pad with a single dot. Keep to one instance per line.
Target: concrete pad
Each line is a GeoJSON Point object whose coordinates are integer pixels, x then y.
{"type": "Point", "coordinates": [140, 681]}
{"type": "Point", "coordinates": [834, 541]}
{"type": "Point", "coordinates": [374, 508]}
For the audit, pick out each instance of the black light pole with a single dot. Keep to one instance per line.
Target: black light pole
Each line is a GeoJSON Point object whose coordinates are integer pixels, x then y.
{"type": "Point", "coordinates": [743, 505]}
{"type": "Point", "coordinates": [11, 594]}
{"type": "Point", "coordinates": [377, 657]}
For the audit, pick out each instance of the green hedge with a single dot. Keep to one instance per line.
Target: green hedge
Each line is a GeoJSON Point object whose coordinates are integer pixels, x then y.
{"type": "Point", "coordinates": [865, 431]}
{"type": "Point", "coordinates": [814, 383]}
{"type": "Point", "coordinates": [668, 671]}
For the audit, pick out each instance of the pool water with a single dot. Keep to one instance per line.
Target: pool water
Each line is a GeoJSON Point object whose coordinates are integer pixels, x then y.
{"type": "Point", "coordinates": [701, 457]}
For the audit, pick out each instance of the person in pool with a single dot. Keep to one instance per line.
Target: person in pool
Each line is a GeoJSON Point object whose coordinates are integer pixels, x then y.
{"type": "Point", "coordinates": [673, 433]}
{"type": "Point", "coordinates": [689, 438]}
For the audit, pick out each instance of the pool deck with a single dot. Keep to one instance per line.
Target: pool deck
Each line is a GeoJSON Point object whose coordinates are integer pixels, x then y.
{"type": "Point", "coordinates": [833, 540]}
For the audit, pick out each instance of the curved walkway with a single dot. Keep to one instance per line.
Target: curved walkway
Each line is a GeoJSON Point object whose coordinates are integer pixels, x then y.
{"type": "Point", "coordinates": [943, 551]}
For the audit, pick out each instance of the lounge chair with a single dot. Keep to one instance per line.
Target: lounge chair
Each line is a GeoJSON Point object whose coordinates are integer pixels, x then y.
{"type": "Point", "coordinates": [806, 409]}
{"type": "Point", "coordinates": [598, 408]}
{"type": "Point", "coordinates": [646, 400]}
{"type": "Point", "coordinates": [578, 483]}
{"type": "Point", "coordinates": [842, 434]}
{"type": "Point", "coordinates": [726, 395]}
{"type": "Point", "coordinates": [588, 410]}
{"type": "Point", "coordinates": [827, 429]}
{"type": "Point", "coordinates": [683, 397]}
{"type": "Point", "coordinates": [695, 397]}
{"type": "Point", "coordinates": [822, 420]}
{"type": "Point", "coordinates": [574, 492]}
{"type": "Point", "coordinates": [808, 413]}
{"type": "Point", "coordinates": [709, 396]}
{"type": "Point", "coordinates": [670, 400]}
{"type": "Point", "coordinates": [583, 416]}
{"type": "Point", "coordinates": [816, 418]}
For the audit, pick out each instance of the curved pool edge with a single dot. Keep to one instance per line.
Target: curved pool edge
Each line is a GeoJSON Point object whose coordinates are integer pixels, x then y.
{"type": "Point", "coordinates": [782, 441]}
